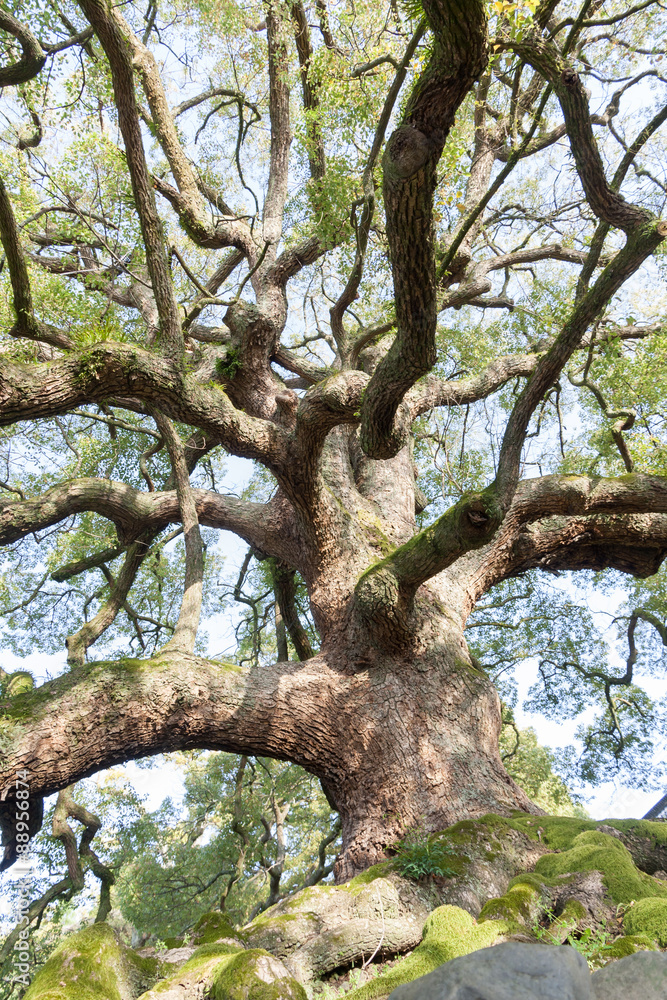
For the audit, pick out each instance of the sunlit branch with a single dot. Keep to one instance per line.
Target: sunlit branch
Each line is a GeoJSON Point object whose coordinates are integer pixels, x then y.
{"type": "Point", "coordinates": [115, 45]}
{"type": "Point", "coordinates": [185, 633]}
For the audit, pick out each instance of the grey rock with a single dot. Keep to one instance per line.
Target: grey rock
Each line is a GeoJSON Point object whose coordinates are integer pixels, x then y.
{"type": "Point", "coordinates": [642, 976]}
{"type": "Point", "coordinates": [509, 971]}
{"type": "Point", "coordinates": [178, 955]}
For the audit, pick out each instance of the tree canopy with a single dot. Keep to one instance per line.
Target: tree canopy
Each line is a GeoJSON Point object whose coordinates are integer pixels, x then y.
{"type": "Point", "coordinates": [407, 259]}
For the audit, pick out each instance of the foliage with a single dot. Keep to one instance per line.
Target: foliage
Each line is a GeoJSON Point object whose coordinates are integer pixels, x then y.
{"type": "Point", "coordinates": [419, 855]}
{"type": "Point", "coordinates": [532, 767]}
{"type": "Point", "coordinates": [355, 979]}
{"type": "Point", "coordinates": [575, 649]}
{"type": "Point", "coordinates": [593, 943]}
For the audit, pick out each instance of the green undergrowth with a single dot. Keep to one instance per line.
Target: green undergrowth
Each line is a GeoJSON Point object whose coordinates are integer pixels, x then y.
{"type": "Point", "coordinates": [448, 933]}
{"type": "Point", "coordinates": [419, 855]}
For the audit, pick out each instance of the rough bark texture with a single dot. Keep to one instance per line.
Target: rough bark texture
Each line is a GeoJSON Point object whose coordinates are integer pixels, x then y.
{"type": "Point", "coordinates": [339, 724]}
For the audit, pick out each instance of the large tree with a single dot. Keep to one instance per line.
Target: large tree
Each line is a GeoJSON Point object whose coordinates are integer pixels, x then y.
{"type": "Point", "coordinates": [281, 265]}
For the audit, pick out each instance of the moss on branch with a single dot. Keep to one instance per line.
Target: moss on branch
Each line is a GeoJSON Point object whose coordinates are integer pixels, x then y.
{"type": "Point", "coordinates": [385, 593]}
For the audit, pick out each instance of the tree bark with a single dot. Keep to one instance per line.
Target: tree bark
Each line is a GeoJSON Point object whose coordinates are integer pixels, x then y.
{"type": "Point", "coordinates": [398, 741]}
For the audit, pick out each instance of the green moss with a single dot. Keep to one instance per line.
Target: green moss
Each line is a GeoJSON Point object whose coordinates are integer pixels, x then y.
{"type": "Point", "coordinates": [25, 704]}
{"type": "Point", "coordinates": [296, 904]}
{"type": "Point", "coordinates": [557, 832]}
{"type": "Point", "coordinates": [356, 884]}
{"type": "Point", "coordinates": [145, 970]}
{"type": "Point", "coordinates": [88, 965]}
{"type": "Point", "coordinates": [539, 882]}
{"type": "Point", "coordinates": [648, 916]}
{"type": "Point", "coordinates": [206, 959]}
{"type": "Point", "coordinates": [573, 911]}
{"type": "Point", "coordinates": [17, 683]}
{"type": "Point", "coordinates": [594, 851]}
{"type": "Point", "coordinates": [211, 927]}
{"type": "Point", "coordinates": [628, 945]}
{"type": "Point", "coordinates": [275, 919]}
{"type": "Point", "coordinates": [471, 832]}
{"type": "Point", "coordinates": [448, 933]}
{"type": "Point", "coordinates": [173, 942]}
{"type": "Point", "coordinates": [377, 535]}
{"type": "Point", "coordinates": [237, 979]}
{"type": "Point", "coordinates": [655, 832]}
{"type": "Point", "coordinates": [311, 893]}
{"type": "Point", "coordinates": [213, 950]}
{"type": "Point", "coordinates": [517, 907]}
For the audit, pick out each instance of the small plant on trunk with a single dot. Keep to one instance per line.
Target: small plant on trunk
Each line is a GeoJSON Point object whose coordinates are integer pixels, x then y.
{"type": "Point", "coordinates": [419, 855]}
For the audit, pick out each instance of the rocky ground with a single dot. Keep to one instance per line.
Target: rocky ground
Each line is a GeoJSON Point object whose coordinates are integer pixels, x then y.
{"type": "Point", "coordinates": [600, 887]}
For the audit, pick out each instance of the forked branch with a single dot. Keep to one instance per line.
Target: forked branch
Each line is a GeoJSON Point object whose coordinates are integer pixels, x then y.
{"type": "Point", "coordinates": [32, 58]}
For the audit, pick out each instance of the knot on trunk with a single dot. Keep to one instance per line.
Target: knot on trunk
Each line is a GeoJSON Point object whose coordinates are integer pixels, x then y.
{"type": "Point", "coordinates": [383, 608]}
{"type": "Point", "coordinates": [480, 516]}
{"type": "Point", "coordinates": [407, 152]}
{"type": "Point", "coordinates": [569, 77]}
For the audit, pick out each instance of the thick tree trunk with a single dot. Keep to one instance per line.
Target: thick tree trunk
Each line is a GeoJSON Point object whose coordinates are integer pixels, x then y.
{"type": "Point", "coordinates": [402, 733]}
{"type": "Point", "coordinates": [397, 741]}
{"type": "Point", "coordinates": [420, 739]}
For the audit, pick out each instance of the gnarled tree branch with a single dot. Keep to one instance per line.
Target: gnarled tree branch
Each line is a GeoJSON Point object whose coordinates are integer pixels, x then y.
{"type": "Point", "coordinates": [458, 59]}
{"type": "Point", "coordinates": [32, 58]}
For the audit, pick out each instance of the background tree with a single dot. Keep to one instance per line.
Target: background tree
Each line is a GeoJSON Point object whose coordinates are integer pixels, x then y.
{"type": "Point", "coordinates": [242, 272]}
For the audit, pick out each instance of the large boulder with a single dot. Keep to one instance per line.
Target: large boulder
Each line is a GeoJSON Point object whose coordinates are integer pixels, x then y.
{"type": "Point", "coordinates": [639, 977]}
{"type": "Point", "coordinates": [510, 971]}
{"type": "Point", "coordinates": [92, 964]}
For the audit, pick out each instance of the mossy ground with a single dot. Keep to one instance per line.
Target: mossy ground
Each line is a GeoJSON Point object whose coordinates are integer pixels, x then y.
{"type": "Point", "coordinates": [91, 965]}
{"type": "Point", "coordinates": [595, 851]}
{"type": "Point", "coordinates": [448, 933]}
{"type": "Point", "coordinates": [88, 965]}
{"type": "Point", "coordinates": [648, 916]}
